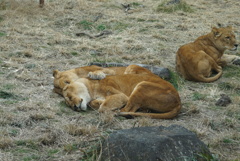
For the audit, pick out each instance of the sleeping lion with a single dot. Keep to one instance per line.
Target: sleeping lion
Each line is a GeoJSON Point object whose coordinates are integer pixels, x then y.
{"type": "Point", "coordinates": [128, 92]}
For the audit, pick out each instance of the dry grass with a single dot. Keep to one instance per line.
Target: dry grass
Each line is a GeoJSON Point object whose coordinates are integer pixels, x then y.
{"type": "Point", "coordinates": [36, 124]}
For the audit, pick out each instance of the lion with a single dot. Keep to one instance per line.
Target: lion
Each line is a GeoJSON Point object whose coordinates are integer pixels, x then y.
{"type": "Point", "coordinates": [128, 92]}
{"type": "Point", "coordinates": [61, 79]}
{"type": "Point", "coordinates": [197, 60]}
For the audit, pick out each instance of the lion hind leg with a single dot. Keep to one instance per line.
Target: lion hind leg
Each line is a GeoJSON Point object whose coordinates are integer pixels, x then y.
{"type": "Point", "coordinates": [136, 98]}
{"type": "Point", "coordinates": [130, 107]}
{"type": "Point", "coordinates": [159, 97]}
{"type": "Point", "coordinates": [113, 102]}
{"type": "Point", "coordinates": [203, 78]}
{"type": "Point", "coordinates": [205, 66]}
{"type": "Point", "coordinates": [135, 69]}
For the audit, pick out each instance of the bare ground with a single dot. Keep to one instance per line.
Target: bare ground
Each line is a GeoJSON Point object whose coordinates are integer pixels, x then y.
{"type": "Point", "coordinates": [36, 124]}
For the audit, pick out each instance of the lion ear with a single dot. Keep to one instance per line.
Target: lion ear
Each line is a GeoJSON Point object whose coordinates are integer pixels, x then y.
{"type": "Point", "coordinates": [216, 32]}
{"type": "Point", "coordinates": [55, 73]}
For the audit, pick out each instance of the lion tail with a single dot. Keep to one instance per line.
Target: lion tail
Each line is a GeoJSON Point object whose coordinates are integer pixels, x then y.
{"type": "Point", "coordinates": [211, 79]}
{"type": "Point", "coordinates": [167, 115]}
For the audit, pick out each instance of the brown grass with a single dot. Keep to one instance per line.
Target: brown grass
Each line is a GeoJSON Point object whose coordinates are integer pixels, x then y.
{"type": "Point", "coordinates": [36, 124]}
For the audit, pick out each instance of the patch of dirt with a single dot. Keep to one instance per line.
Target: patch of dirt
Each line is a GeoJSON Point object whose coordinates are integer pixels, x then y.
{"type": "Point", "coordinates": [36, 124]}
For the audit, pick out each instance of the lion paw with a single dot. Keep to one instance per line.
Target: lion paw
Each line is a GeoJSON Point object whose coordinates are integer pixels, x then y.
{"type": "Point", "coordinates": [95, 104]}
{"type": "Point", "coordinates": [96, 75]}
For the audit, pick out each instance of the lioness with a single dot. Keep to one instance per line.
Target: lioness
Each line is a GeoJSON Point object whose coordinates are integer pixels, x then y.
{"type": "Point", "coordinates": [61, 79]}
{"type": "Point", "coordinates": [131, 91]}
{"type": "Point", "coordinates": [196, 61]}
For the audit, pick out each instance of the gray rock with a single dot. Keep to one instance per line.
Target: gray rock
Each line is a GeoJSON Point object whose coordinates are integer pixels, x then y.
{"type": "Point", "coordinates": [223, 101]}
{"type": "Point", "coordinates": [173, 2]}
{"type": "Point", "coordinates": [162, 72]}
{"type": "Point", "coordinates": [236, 62]}
{"type": "Point", "coordinates": [173, 143]}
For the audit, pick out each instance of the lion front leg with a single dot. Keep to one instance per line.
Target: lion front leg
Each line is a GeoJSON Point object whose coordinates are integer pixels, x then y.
{"type": "Point", "coordinates": [101, 74]}
{"type": "Point", "coordinates": [113, 102]}
{"type": "Point", "coordinates": [97, 74]}
{"type": "Point", "coordinates": [230, 59]}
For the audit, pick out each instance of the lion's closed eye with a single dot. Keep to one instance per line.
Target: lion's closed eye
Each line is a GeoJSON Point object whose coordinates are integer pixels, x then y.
{"type": "Point", "coordinates": [228, 37]}
{"type": "Point", "coordinates": [67, 81]}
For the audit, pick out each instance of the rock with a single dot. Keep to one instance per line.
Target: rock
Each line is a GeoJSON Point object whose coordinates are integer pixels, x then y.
{"type": "Point", "coordinates": [162, 72]}
{"type": "Point", "coordinates": [161, 143]}
{"type": "Point", "coordinates": [173, 2]}
{"type": "Point", "coordinates": [236, 62]}
{"type": "Point", "coordinates": [108, 64]}
{"type": "Point", "coordinates": [223, 101]}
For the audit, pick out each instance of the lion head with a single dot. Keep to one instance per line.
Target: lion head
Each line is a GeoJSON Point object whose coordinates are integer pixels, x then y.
{"type": "Point", "coordinates": [61, 79]}
{"type": "Point", "coordinates": [224, 38]}
{"type": "Point", "coordinates": [76, 95]}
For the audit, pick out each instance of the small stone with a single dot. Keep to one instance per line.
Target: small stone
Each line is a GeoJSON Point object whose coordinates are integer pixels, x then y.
{"type": "Point", "coordinates": [223, 101]}
{"type": "Point", "coordinates": [236, 62]}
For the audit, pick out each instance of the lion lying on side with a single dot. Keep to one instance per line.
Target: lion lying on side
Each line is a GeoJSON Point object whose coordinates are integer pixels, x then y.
{"type": "Point", "coordinates": [196, 61]}
{"type": "Point", "coordinates": [130, 91]}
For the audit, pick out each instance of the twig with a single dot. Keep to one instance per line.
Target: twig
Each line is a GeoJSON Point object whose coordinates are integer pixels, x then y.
{"type": "Point", "coordinates": [41, 3]}
{"type": "Point", "coordinates": [127, 7]}
{"type": "Point", "coordinates": [105, 32]}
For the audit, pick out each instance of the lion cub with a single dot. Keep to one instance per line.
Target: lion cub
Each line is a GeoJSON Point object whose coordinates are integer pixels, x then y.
{"type": "Point", "coordinates": [196, 61]}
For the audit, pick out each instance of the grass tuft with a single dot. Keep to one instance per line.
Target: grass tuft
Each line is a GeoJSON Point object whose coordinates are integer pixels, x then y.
{"type": "Point", "coordinates": [27, 143]}
{"type": "Point", "coordinates": [231, 71]}
{"type": "Point", "coordinates": [7, 95]}
{"type": "Point", "coordinates": [175, 80]}
{"type": "Point", "coordinates": [92, 153]}
{"type": "Point", "coordinates": [178, 6]}
{"type": "Point", "coordinates": [86, 25]}
{"type": "Point", "coordinates": [198, 96]}
{"type": "Point", "coordinates": [40, 117]}
{"type": "Point", "coordinates": [10, 98]}
{"type": "Point", "coordinates": [5, 142]}
{"type": "Point", "coordinates": [70, 148]}
{"type": "Point", "coordinates": [48, 139]}
{"type": "Point", "coordinates": [76, 130]}
{"type": "Point", "coordinates": [2, 33]}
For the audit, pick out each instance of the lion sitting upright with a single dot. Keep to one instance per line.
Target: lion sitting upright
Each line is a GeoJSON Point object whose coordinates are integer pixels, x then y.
{"type": "Point", "coordinates": [197, 60]}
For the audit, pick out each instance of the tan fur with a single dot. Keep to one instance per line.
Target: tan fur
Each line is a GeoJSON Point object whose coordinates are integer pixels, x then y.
{"type": "Point", "coordinates": [196, 61]}
{"type": "Point", "coordinates": [61, 79]}
{"type": "Point", "coordinates": [130, 92]}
